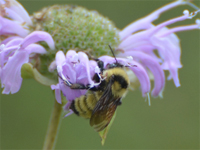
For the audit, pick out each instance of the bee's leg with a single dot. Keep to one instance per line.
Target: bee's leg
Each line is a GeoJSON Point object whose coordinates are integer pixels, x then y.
{"type": "Point", "coordinates": [99, 62]}
{"type": "Point", "coordinates": [91, 57]}
{"type": "Point", "coordinates": [77, 86]}
{"type": "Point", "coordinates": [74, 85]}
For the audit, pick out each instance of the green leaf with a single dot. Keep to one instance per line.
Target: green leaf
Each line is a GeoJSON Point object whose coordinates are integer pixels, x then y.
{"type": "Point", "coordinates": [28, 71]}
{"type": "Point", "coordinates": [103, 133]}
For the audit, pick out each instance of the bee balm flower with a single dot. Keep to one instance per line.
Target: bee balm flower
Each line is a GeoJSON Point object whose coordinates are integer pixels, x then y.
{"type": "Point", "coordinates": [139, 41]}
{"type": "Point", "coordinates": [17, 47]}
{"type": "Point", "coordinates": [16, 52]}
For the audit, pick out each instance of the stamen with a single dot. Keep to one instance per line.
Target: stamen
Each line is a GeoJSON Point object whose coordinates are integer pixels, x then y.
{"type": "Point", "coordinates": [148, 99]}
{"type": "Point", "coordinates": [186, 12]}
{"type": "Point", "coordinates": [192, 5]}
{"type": "Point", "coordinates": [194, 13]}
{"type": "Point", "coordinates": [198, 23]}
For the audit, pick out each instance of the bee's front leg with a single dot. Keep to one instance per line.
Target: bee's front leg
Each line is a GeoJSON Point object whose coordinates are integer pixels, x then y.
{"type": "Point", "coordinates": [77, 86]}
{"type": "Point", "coordinates": [74, 85]}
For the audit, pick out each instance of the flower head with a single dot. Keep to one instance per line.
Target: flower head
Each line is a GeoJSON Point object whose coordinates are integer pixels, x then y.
{"type": "Point", "coordinates": [13, 18]}
{"type": "Point", "coordinates": [17, 47]}
{"type": "Point", "coordinates": [139, 42]}
{"type": "Point", "coordinates": [142, 38]}
{"type": "Point", "coordinates": [75, 68]}
{"type": "Point", "coordinates": [15, 52]}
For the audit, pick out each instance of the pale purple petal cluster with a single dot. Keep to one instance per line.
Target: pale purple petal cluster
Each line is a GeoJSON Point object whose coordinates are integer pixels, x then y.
{"type": "Point", "coordinates": [13, 18]}
{"type": "Point", "coordinates": [14, 52]}
{"type": "Point", "coordinates": [18, 45]}
{"type": "Point", "coordinates": [75, 68]}
{"type": "Point", "coordinates": [141, 38]}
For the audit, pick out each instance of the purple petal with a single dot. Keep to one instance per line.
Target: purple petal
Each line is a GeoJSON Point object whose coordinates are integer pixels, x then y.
{"type": "Point", "coordinates": [155, 68]}
{"type": "Point", "coordinates": [17, 8]}
{"type": "Point", "coordinates": [142, 76]}
{"type": "Point", "coordinates": [142, 38]}
{"type": "Point", "coordinates": [174, 74]}
{"type": "Point", "coordinates": [178, 29]}
{"type": "Point", "coordinates": [11, 14]}
{"type": "Point", "coordinates": [57, 93]}
{"type": "Point", "coordinates": [6, 53]}
{"type": "Point", "coordinates": [69, 72]}
{"type": "Point", "coordinates": [60, 58]}
{"type": "Point", "coordinates": [37, 36]}
{"type": "Point", "coordinates": [145, 22]}
{"type": "Point", "coordinates": [14, 42]}
{"type": "Point", "coordinates": [52, 66]}
{"type": "Point", "coordinates": [9, 39]}
{"type": "Point", "coordinates": [93, 64]}
{"type": "Point", "coordinates": [10, 27]}
{"type": "Point", "coordinates": [35, 48]}
{"type": "Point", "coordinates": [66, 108]}
{"type": "Point", "coordinates": [11, 73]}
{"type": "Point", "coordinates": [85, 61]}
{"type": "Point", "coordinates": [72, 57]}
{"type": "Point", "coordinates": [170, 52]}
{"type": "Point", "coordinates": [70, 113]}
{"type": "Point", "coordinates": [70, 94]}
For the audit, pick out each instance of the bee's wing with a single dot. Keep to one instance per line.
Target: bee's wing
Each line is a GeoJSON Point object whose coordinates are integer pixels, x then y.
{"type": "Point", "coordinates": [104, 110]}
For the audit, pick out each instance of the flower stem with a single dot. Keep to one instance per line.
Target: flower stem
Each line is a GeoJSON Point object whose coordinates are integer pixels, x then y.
{"type": "Point", "coordinates": [53, 127]}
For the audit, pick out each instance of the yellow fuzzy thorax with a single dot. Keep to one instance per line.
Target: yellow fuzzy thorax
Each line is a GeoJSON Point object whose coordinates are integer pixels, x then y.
{"type": "Point", "coordinates": [116, 87]}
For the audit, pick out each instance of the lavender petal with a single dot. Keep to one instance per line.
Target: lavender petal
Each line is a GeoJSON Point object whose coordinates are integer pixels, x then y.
{"type": "Point", "coordinates": [11, 73]}
{"type": "Point", "coordinates": [57, 93]}
{"type": "Point", "coordinates": [10, 27]}
{"type": "Point", "coordinates": [37, 36]}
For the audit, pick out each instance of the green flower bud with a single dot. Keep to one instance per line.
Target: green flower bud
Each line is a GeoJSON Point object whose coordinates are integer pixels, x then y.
{"type": "Point", "coordinates": [74, 27]}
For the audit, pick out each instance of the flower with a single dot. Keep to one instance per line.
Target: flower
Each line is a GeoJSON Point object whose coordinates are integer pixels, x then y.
{"type": "Point", "coordinates": [17, 47]}
{"type": "Point", "coordinates": [138, 43]}
{"type": "Point", "coordinates": [141, 45]}
{"type": "Point", "coordinates": [76, 68]}
{"type": "Point", "coordinates": [16, 52]}
{"type": "Point", "coordinates": [12, 14]}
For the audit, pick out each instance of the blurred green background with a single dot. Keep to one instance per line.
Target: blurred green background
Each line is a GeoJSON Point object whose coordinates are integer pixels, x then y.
{"type": "Point", "coordinates": [169, 123]}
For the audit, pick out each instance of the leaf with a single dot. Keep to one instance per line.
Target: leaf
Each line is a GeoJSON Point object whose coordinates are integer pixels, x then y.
{"type": "Point", "coordinates": [28, 71]}
{"type": "Point", "coordinates": [104, 132]}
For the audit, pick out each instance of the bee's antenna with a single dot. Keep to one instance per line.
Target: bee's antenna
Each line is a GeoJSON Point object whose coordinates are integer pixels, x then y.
{"type": "Point", "coordinates": [113, 53]}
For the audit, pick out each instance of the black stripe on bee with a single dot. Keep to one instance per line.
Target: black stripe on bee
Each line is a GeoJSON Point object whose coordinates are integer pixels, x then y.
{"type": "Point", "coordinates": [121, 80]}
{"type": "Point", "coordinates": [72, 107]}
{"type": "Point", "coordinates": [79, 105]}
{"type": "Point", "coordinates": [85, 103]}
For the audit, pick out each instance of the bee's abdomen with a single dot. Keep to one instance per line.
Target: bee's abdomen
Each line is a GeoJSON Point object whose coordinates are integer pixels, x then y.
{"type": "Point", "coordinates": [84, 105]}
{"type": "Point", "coordinates": [72, 107]}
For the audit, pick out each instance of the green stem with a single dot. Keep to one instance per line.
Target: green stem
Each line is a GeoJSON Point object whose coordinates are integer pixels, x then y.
{"type": "Point", "coordinates": [53, 127]}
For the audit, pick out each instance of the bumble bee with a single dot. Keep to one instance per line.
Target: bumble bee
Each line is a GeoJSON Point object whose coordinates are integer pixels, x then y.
{"type": "Point", "coordinates": [100, 102]}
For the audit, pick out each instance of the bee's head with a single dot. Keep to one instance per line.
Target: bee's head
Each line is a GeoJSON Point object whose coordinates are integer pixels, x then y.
{"type": "Point", "coordinates": [116, 64]}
